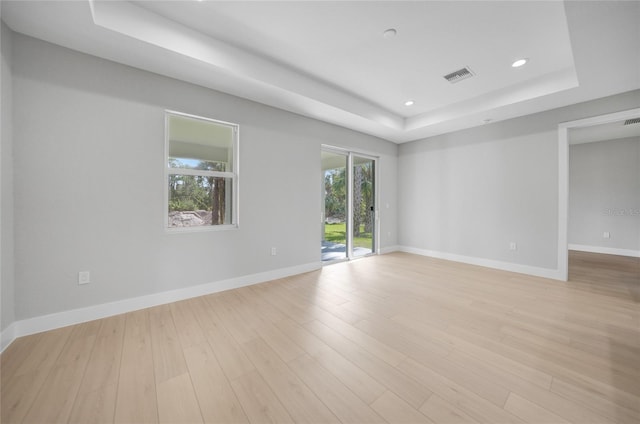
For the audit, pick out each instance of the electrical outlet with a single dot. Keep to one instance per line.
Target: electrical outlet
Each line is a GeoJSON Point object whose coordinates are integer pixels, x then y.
{"type": "Point", "coordinates": [274, 251]}
{"type": "Point", "coordinates": [606, 234]}
{"type": "Point", "coordinates": [513, 246]}
{"type": "Point", "coordinates": [84, 277]}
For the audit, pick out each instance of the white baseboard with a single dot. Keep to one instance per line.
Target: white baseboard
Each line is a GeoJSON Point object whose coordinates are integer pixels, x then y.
{"type": "Point", "coordinates": [389, 249]}
{"type": "Point", "coordinates": [90, 313]}
{"type": "Point", "coordinates": [488, 263]}
{"type": "Point", "coordinates": [605, 250]}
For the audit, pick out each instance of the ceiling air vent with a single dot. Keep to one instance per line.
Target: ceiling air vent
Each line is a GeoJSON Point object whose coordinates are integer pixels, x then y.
{"type": "Point", "coordinates": [459, 75]}
{"type": "Point", "coordinates": [632, 121]}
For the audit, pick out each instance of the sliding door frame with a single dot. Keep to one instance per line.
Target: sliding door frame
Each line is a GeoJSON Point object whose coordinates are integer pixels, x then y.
{"type": "Point", "coordinates": [350, 153]}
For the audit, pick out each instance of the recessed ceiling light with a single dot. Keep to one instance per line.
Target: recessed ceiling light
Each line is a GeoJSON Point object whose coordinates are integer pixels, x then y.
{"type": "Point", "coordinates": [520, 62]}
{"type": "Point", "coordinates": [409, 103]}
{"type": "Point", "coordinates": [389, 33]}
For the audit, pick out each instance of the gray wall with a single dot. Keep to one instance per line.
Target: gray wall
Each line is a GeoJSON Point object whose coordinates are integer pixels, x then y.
{"type": "Point", "coordinates": [7, 314]}
{"type": "Point", "coordinates": [604, 194]}
{"type": "Point", "coordinates": [473, 192]}
{"type": "Point", "coordinates": [89, 183]}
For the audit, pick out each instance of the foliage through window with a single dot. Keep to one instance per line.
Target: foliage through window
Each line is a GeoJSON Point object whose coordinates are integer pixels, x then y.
{"type": "Point", "coordinates": [201, 171]}
{"type": "Point", "coordinates": [335, 186]}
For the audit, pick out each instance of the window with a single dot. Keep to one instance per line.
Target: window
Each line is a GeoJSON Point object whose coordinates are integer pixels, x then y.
{"type": "Point", "coordinates": [201, 172]}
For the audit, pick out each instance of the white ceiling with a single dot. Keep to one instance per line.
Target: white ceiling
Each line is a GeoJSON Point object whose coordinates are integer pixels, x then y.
{"type": "Point", "coordinates": [329, 60]}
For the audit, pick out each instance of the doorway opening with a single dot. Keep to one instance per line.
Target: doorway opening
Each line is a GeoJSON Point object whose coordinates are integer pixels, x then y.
{"type": "Point", "coordinates": [349, 205]}
{"type": "Point", "coordinates": [564, 136]}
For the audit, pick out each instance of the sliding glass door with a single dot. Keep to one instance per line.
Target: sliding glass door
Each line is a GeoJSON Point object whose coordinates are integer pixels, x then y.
{"type": "Point", "coordinates": [334, 214]}
{"type": "Point", "coordinates": [363, 200]}
{"type": "Point", "coordinates": [348, 215]}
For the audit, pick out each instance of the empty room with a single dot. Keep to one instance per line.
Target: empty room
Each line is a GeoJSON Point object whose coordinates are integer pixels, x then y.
{"type": "Point", "coordinates": [320, 211]}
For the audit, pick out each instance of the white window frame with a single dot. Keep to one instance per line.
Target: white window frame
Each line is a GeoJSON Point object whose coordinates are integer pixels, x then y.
{"type": "Point", "coordinates": [234, 176]}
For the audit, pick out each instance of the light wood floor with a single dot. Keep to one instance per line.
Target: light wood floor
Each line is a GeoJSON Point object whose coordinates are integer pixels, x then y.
{"type": "Point", "coordinates": [393, 338]}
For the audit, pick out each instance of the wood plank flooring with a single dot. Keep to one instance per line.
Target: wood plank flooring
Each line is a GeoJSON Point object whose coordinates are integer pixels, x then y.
{"type": "Point", "coordinates": [395, 338]}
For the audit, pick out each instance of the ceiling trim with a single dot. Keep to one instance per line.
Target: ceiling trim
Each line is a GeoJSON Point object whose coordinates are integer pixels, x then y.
{"type": "Point", "coordinates": [138, 23]}
{"type": "Point", "coordinates": [601, 45]}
